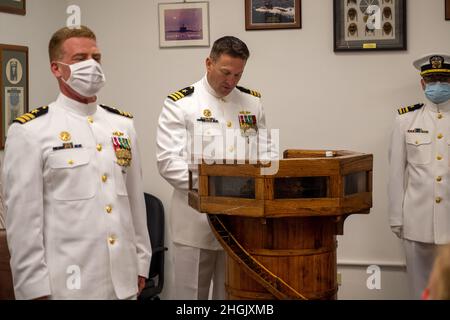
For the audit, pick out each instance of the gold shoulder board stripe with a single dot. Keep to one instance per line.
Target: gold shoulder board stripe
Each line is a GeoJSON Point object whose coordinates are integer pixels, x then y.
{"type": "Point", "coordinates": [181, 94]}
{"type": "Point", "coordinates": [117, 111]}
{"type": "Point", "coordinates": [248, 91]}
{"type": "Point", "coordinates": [27, 117]}
{"type": "Point", "coordinates": [415, 107]}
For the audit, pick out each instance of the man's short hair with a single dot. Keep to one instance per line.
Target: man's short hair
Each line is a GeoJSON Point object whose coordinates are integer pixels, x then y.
{"type": "Point", "coordinates": [55, 46]}
{"type": "Point", "coordinates": [231, 46]}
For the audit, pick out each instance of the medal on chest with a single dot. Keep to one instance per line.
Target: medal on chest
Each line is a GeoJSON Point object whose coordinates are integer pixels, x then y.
{"type": "Point", "coordinates": [122, 148]}
{"type": "Point", "coordinates": [248, 124]}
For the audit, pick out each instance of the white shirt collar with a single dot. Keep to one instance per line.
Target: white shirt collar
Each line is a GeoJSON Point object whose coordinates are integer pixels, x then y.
{"type": "Point", "coordinates": [213, 92]}
{"type": "Point", "coordinates": [442, 107]}
{"type": "Point", "coordinates": [76, 107]}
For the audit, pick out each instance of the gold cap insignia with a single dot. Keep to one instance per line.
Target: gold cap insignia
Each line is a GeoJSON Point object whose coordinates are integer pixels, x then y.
{"type": "Point", "coordinates": [436, 62]}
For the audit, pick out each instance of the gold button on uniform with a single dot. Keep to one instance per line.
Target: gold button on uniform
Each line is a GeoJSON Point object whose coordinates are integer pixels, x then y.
{"type": "Point", "coordinates": [104, 178]}
{"type": "Point", "coordinates": [439, 179]}
{"type": "Point", "coordinates": [440, 136]}
{"type": "Point", "coordinates": [90, 120]}
{"type": "Point", "coordinates": [438, 200]}
{"type": "Point", "coordinates": [229, 124]}
{"type": "Point", "coordinates": [112, 240]}
{"type": "Point", "coordinates": [71, 162]}
{"type": "Point", "coordinates": [440, 116]}
{"type": "Point", "coordinates": [99, 147]}
{"type": "Point", "coordinates": [439, 158]}
{"type": "Point", "coordinates": [417, 142]}
{"type": "Point", "coordinates": [231, 149]}
{"type": "Point", "coordinates": [108, 209]}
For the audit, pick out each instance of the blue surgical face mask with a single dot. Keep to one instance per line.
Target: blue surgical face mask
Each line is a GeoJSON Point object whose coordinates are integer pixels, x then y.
{"type": "Point", "coordinates": [438, 92]}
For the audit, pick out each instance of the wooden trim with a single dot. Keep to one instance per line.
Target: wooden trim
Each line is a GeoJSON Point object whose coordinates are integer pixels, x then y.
{"type": "Point", "coordinates": [447, 9]}
{"type": "Point", "coordinates": [259, 189]}
{"type": "Point", "coordinates": [203, 186]}
{"type": "Point", "coordinates": [302, 207]}
{"type": "Point", "coordinates": [290, 253]}
{"type": "Point", "coordinates": [20, 11]}
{"type": "Point", "coordinates": [232, 207]}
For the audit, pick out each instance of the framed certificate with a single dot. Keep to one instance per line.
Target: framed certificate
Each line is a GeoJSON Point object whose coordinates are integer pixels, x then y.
{"type": "Point", "coordinates": [13, 86]}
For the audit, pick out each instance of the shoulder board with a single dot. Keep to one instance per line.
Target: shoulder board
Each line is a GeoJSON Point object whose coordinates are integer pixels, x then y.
{"type": "Point", "coordinates": [181, 94]}
{"type": "Point", "coordinates": [27, 117]}
{"type": "Point", "coordinates": [248, 91]}
{"type": "Point", "coordinates": [410, 108]}
{"type": "Point", "coordinates": [117, 111]}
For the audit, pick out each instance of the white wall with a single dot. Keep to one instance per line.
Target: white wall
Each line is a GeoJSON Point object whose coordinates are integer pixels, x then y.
{"type": "Point", "coordinates": [319, 99]}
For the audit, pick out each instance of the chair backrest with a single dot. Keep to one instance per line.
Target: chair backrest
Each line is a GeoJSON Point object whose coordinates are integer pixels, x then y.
{"type": "Point", "coordinates": [155, 225]}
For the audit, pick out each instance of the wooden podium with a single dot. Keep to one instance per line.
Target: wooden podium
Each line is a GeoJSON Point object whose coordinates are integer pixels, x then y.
{"type": "Point", "coordinates": [279, 230]}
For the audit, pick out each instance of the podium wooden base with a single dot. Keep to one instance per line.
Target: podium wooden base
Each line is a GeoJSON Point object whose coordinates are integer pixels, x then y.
{"type": "Point", "coordinates": [300, 251]}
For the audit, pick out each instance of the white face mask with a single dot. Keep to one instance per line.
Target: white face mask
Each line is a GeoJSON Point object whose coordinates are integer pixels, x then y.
{"type": "Point", "coordinates": [86, 77]}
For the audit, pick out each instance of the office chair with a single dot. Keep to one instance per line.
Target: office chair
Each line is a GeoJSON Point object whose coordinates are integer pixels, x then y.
{"type": "Point", "coordinates": [155, 224]}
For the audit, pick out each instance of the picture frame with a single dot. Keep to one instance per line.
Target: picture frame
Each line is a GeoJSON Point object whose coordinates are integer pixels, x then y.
{"type": "Point", "coordinates": [13, 6]}
{"type": "Point", "coordinates": [273, 14]}
{"type": "Point", "coordinates": [183, 24]}
{"type": "Point", "coordinates": [383, 27]}
{"type": "Point", "coordinates": [14, 86]}
{"type": "Point", "coordinates": [447, 9]}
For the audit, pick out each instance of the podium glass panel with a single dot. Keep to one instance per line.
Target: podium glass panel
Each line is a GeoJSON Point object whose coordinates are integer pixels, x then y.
{"type": "Point", "coordinates": [355, 183]}
{"type": "Point", "coordinates": [301, 187]}
{"type": "Point", "coordinates": [237, 187]}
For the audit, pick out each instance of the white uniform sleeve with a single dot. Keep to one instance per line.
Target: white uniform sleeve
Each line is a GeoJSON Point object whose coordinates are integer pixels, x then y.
{"type": "Point", "coordinates": [24, 212]}
{"type": "Point", "coordinates": [397, 166]}
{"type": "Point", "coordinates": [171, 139]}
{"type": "Point", "coordinates": [138, 210]}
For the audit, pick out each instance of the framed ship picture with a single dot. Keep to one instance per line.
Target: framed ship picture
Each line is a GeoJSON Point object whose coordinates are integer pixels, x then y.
{"type": "Point", "coordinates": [13, 86]}
{"type": "Point", "coordinates": [272, 14]}
{"type": "Point", "coordinates": [13, 6]}
{"type": "Point", "coordinates": [367, 25]}
{"type": "Point", "coordinates": [184, 24]}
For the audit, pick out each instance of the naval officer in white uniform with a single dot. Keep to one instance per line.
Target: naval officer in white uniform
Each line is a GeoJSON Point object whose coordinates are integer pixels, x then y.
{"type": "Point", "coordinates": [419, 176]}
{"type": "Point", "coordinates": [75, 210]}
{"type": "Point", "coordinates": [193, 124]}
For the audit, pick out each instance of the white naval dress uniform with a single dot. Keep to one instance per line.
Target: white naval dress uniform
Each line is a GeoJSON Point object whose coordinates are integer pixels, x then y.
{"type": "Point", "coordinates": [76, 219]}
{"type": "Point", "coordinates": [179, 125]}
{"type": "Point", "coordinates": [419, 186]}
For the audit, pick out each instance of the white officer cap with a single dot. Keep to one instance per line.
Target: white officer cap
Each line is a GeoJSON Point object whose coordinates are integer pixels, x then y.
{"type": "Point", "coordinates": [433, 63]}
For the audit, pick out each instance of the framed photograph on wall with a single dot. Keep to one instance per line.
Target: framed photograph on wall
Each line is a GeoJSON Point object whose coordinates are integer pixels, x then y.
{"type": "Point", "coordinates": [272, 14]}
{"type": "Point", "coordinates": [184, 24]}
{"type": "Point", "coordinates": [13, 86]}
{"type": "Point", "coordinates": [447, 9]}
{"type": "Point", "coordinates": [13, 6]}
{"type": "Point", "coordinates": [369, 25]}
